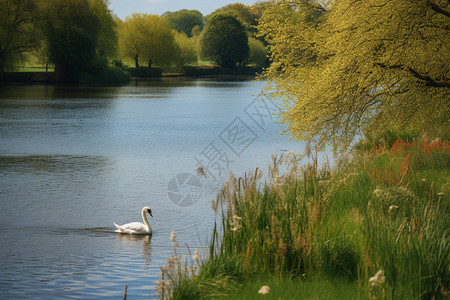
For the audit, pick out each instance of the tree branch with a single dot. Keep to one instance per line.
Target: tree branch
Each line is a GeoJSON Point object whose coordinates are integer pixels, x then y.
{"type": "Point", "coordinates": [437, 8]}
{"type": "Point", "coordinates": [430, 81]}
{"type": "Point", "coordinates": [444, 82]}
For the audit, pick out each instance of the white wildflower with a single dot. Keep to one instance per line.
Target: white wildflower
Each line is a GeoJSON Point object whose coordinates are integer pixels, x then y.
{"type": "Point", "coordinates": [424, 180]}
{"type": "Point", "coordinates": [392, 207]}
{"type": "Point", "coordinates": [264, 290]}
{"type": "Point", "coordinates": [173, 236]}
{"type": "Point", "coordinates": [377, 280]}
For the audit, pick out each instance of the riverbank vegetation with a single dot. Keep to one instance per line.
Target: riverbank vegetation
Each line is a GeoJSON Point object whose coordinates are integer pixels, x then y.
{"type": "Point", "coordinates": [370, 80]}
{"type": "Point", "coordinates": [84, 41]}
{"type": "Point", "coordinates": [375, 228]}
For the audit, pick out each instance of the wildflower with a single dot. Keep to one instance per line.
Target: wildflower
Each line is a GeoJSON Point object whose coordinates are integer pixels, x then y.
{"type": "Point", "coordinates": [424, 180]}
{"type": "Point", "coordinates": [264, 290]}
{"type": "Point", "coordinates": [173, 236]}
{"type": "Point", "coordinates": [195, 256]}
{"type": "Point", "coordinates": [377, 280]}
{"type": "Point", "coordinates": [392, 207]}
{"type": "Point", "coordinates": [378, 193]}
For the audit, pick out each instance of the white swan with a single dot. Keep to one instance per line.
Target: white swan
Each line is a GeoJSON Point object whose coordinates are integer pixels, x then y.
{"type": "Point", "coordinates": [136, 227]}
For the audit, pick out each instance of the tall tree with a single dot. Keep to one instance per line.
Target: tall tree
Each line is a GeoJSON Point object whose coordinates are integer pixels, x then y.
{"type": "Point", "coordinates": [349, 67]}
{"type": "Point", "coordinates": [107, 35]}
{"type": "Point", "coordinates": [188, 48]}
{"type": "Point", "coordinates": [149, 38]}
{"type": "Point", "coordinates": [248, 15]}
{"type": "Point", "coordinates": [225, 41]}
{"type": "Point", "coordinates": [17, 30]}
{"type": "Point", "coordinates": [184, 20]}
{"type": "Point", "coordinates": [71, 29]}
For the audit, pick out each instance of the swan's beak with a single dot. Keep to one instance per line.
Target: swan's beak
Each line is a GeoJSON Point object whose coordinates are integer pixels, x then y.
{"type": "Point", "coordinates": [150, 213]}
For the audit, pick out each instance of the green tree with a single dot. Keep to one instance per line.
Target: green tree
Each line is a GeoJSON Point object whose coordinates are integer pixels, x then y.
{"type": "Point", "coordinates": [17, 31]}
{"type": "Point", "coordinates": [147, 37]}
{"type": "Point", "coordinates": [185, 20]}
{"type": "Point", "coordinates": [248, 15]}
{"type": "Point", "coordinates": [71, 32]}
{"type": "Point", "coordinates": [188, 50]}
{"type": "Point", "coordinates": [349, 67]}
{"type": "Point", "coordinates": [224, 40]}
{"type": "Point", "coordinates": [257, 53]}
{"type": "Point", "coordinates": [107, 35]}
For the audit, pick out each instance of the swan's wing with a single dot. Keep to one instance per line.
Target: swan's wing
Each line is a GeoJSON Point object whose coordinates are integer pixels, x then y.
{"type": "Point", "coordinates": [131, 227]}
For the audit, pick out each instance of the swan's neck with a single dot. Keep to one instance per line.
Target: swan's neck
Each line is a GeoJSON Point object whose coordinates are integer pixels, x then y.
{"type": "Point", "coordinates": [144, 218]}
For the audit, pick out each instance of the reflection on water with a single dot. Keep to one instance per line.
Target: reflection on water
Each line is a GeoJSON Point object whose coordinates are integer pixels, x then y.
{"type": "Point", "coordinates": [73, 160]}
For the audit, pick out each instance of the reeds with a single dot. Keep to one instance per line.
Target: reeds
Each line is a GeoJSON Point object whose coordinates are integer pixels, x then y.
{"type": "Point", "coordinates": [386, 212]}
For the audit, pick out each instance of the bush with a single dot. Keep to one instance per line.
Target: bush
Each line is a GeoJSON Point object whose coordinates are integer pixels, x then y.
{"type": "Point", "coordinates": [145, 72]}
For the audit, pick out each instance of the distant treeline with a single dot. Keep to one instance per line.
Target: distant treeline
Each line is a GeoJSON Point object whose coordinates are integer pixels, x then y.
{"type": "Point", "coordinates": [86, 42]}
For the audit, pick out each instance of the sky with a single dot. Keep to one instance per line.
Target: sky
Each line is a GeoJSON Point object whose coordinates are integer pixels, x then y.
{"type": "Point", "coordinates": [124, 8]}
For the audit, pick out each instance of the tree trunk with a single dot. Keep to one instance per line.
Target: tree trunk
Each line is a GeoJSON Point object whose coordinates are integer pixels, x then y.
{"type": "Point", "coordinates": [149, 63]}
{"type": "Point", "coordinates": [136, 61]}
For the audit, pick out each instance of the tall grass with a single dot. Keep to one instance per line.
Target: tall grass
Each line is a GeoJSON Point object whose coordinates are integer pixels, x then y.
{"type": "Point", "coordinates": [386, 212]}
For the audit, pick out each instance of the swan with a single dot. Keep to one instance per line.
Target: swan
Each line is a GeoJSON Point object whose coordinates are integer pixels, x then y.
{"type": "Point", "coordinates": [136, 227]}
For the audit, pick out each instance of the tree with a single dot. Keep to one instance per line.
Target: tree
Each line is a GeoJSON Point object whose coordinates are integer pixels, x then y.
{"type": "Point", "coordinates": [147, 37]}
{"type": "Point", "coordinates": [257, 53]}
{"type": "Point", "coordinates": [71, 32]}
{"type": "Point", "coordinates": [188, 52]}
{"type": "Point", "coordinates": [17, 30]}
{"type": "Point", "coordinates": [107, 35]}
{"type": "Point", "coordinates": [224, 40]}
{"type": "Point", "coordinates": [350, 67]}
{"type": "Point", "coordinates": [185, 20]}
{"type": "Point", "coordinates": [247, 15]}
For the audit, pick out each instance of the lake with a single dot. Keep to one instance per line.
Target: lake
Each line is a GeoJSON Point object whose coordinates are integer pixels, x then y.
{"type": "Point", "coordinates": [73, 160]}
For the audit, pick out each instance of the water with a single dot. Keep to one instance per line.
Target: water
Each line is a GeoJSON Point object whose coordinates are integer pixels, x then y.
{"type": "Point", "coordinates": [75, 159]}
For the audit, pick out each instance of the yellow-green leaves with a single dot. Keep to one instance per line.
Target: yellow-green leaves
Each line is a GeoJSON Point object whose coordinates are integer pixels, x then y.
{"type": "Point", "coordinates": [358, 65]}
{"type": "Point", "coordinates": [148, 38]}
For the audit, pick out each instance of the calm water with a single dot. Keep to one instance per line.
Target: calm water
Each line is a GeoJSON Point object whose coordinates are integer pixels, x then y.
{"type": "Point", "coordinates": [75, 159]}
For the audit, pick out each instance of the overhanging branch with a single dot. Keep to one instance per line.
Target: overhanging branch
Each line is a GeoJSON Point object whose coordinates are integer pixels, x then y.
{"type": "Point", "coordinates": [430, 81]}
{"type": "Point", "coordinates": [444, 82]}
{"type": "Point", "coordinates": [439, 9]}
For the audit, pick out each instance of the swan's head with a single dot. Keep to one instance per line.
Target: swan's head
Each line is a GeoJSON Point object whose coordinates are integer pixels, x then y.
{"type": "Point", "coordinates": [148, 210]}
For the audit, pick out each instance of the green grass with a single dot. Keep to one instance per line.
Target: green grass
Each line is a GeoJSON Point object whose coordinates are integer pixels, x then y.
{"type": "Point", "coordinates": [35, 69]}
{"type": "Point", "coordinates": [316, 288]}
{"type": "Point", "coordinates": [324, 234]}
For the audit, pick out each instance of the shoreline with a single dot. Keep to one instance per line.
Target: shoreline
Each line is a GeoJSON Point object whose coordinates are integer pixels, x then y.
{"type": "Point", "coordinates": [8, 78]}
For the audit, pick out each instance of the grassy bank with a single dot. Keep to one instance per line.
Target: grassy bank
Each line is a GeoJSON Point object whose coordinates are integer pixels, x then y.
{"type": "Point", "coordinates": [377, 227]}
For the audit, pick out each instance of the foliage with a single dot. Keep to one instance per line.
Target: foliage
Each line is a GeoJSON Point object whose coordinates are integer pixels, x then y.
{"type": "Point", "coordinates": [309, 224]}
{"type": "Point", "coordinates": [188, 48]}
{"type": "Point", "coordinates": [247, 15]}
{"type": "Point", "coordinates": [107, 36]}
{"type": "Point", "coordinates": [185, 20]}
{"type": "Point", "coordinates": [224, 40]}
{"type": "Point", "coordinates": [346, 66]}
{"type": "Point", "coordinates": [145, 72]}
{"type": "Point", "coordinates": [257, 53]}
{"type": "Point", "coordinates": [71, 32]}
{"type": "Point", "coordinates": [17, 31]}
{"type": "Point", "coordinates": [147, 37]}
